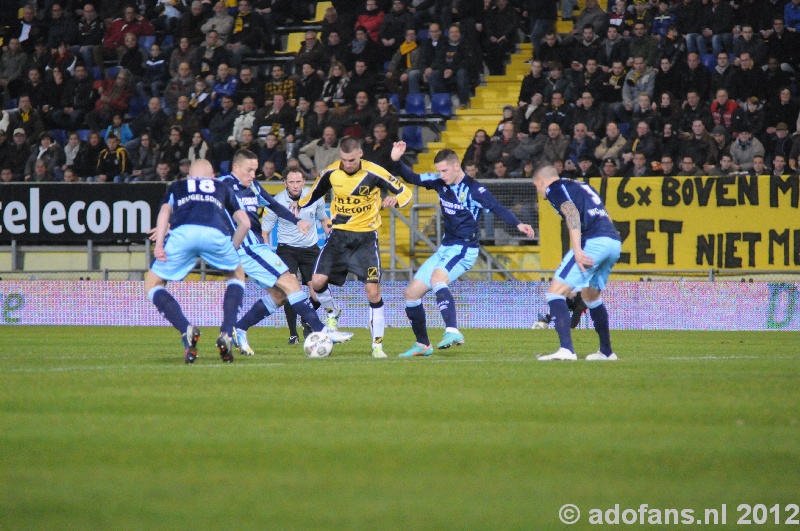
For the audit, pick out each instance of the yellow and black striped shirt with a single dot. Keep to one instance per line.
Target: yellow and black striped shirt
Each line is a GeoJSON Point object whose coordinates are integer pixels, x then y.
{"type": "Point", "coordinates": [356, 202]}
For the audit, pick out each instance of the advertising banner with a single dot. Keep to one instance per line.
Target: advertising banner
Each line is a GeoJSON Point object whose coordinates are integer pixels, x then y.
{"type": "Point", "coordinates": [635, 306]}
{"type": "Point", "coordinates": [693, 223]}
{"type": "Point", "coordinates": [77, 212]}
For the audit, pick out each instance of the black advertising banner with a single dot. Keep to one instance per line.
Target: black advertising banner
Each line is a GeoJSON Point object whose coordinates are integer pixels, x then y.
{"type": "Point", "coordinates": [78, 212]}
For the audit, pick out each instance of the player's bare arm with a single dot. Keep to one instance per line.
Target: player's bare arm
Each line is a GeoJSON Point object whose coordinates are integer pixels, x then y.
{"type": "Point", "coordinates": [242, 227]}
{"type": "Point", "coordinates": [573, 219]}
{"type": "Point", "coordinates": [162, 225]}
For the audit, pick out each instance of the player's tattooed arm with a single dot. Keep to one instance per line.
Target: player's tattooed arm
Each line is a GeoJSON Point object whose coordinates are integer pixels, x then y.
{"type": "Point", "coordinates": [573, 219]}
{"type": "Point", "coordinates": [571, 215]}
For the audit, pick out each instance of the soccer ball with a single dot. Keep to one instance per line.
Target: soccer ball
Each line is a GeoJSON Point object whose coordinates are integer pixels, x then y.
{"type": "Point", "coordinates": [318, 345]}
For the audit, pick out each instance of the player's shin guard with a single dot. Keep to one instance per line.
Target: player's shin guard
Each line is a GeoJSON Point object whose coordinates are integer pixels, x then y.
{"type": "Point", "coordinates": [169, 308]}
{"type": "Point", "coordinates": [377, 320]}
{"type": "Point", "coordinates": [302, 305]}
{"type": "Point", "coordinates": [600, 318]}
{"type": "Point", "coordinates": [561, 319]}
{"type": "Point", "coordinates": [263, 308]}
{"type": "Point", "coordinates": [447, 305]}
{"type": "Point", "coordinates": [234, 294]}
{"type": "Point", "coordinates": [416, 314]}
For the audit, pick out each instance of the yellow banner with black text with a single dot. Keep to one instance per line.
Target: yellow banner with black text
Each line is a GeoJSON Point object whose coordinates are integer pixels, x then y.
{"type": "Point", "coordinates": [693, 223]}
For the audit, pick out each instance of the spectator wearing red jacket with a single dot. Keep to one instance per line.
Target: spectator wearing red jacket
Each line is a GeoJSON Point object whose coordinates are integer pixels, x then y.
{"type": "Point", "coordinates": [114, 39]}
{"type": "Point", "coordinates": [114, 95]}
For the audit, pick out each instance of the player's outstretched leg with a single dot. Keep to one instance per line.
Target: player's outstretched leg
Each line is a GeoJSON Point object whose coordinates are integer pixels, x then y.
{"type": "Point", "coordinates": [263, 307]}
{"type": "Point", "coordinates": [302, 305]}
{"type": "Point", "coordinates": [600, 318]}
{"type": "Point", "coordinates": [416, 314]}
{"type": "Point", "coordinates": [447, 307]}
{"type": "Point", "coordinates": [561, 319]}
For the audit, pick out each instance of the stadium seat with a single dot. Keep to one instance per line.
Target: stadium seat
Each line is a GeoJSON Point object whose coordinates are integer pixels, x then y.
{"type": "Point", "coordinates": [11, 103]}
{"type": "Point", "coordinates": [709, 61]}
{"type": "Point", "coordinates": [412, 136]}
{"type": "Point", "coordinates": [225, 167]}
{"type": "Point", "coordinates": [206, 133]}
{"type": "Point", "coordinates": [293, 43]}
{"type": "Point", "coordinates": [415, 104]}
{"type": "Point", "coordinates": [442, 104]}
{"type": "Point", "coordinates": [83, 134]}
{"type": "Point", "coordinates": [394, 99]}
{"type": "Point", "coordinates": [59, 136]}
{"type": "Point", "coordinates": [97, 72]}
{"type": "Point", "coordinates": [423, 34]}
{"type": "Point", "coordinates": [112, 72]}
{"type": "Point", "coordinates": [168, 41]}
{"type": "Point", "coordinates": [623, 128]}
{"type": "Point", "coordinates": [320, 11]}
{"type": "Point", "coordinates": [146, 41]}
{"type": "Point", "coordinates": [137, 105]}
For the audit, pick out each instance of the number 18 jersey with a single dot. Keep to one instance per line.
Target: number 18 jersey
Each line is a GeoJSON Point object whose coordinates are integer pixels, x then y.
{"type": "Point", "coordinates": [204, 202]}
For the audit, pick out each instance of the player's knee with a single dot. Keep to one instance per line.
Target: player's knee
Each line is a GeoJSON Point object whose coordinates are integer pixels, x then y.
{"type": "Point", "coordinates": [288, 283]}
{"type": "Point", "coordinates": [319, 284]}
{"type": "Point", "coordinates": [439, 276]}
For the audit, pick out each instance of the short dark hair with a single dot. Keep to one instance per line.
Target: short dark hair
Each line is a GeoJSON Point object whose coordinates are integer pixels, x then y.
{"type": "Point", "coordinates": [446, 155]}
{"type": "Point", "coordinates": [349, 144]}
{"type": "Point", "coordinates": [242, 155]}
{"type": "Point", "coordinates": [294, 169]}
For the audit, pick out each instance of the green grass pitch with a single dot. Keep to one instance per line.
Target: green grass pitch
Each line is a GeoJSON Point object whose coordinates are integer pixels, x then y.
{"type": "Point", "coordinates": [106, 428]}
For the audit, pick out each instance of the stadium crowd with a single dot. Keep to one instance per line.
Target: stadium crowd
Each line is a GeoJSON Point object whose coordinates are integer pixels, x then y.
{"type": "Point", "coordinates": [116, 90]}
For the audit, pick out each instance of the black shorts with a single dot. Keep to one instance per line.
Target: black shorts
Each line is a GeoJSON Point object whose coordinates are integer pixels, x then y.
{"type": "Point", "coordinates": [299, 258]}
{"type": "Point", "coordinates": [350, 252]}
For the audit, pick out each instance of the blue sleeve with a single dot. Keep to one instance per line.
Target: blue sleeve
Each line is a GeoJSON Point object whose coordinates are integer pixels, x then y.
{"type": "Point", "coordinates": [231, 201]}
{"type": "Point", "coordinates": [426, 180]}
{"type": "Point", "coordinates": [487, 200]}
{"type": "Point", "coordinates": [266, 200]}
{"type": "Point", "coordinates": [557, 195]}
{"type": "Point", "coordinates": [169, 197]}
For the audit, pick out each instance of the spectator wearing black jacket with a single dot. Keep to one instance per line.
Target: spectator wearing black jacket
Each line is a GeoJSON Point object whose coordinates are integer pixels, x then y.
{"type": "Point", "coordinates": [499, 36]}
{"type": "Point", "coordinates": [190, 25]}
{"type": "Point", "coordinates": [248, 86]}
{"type": "Point", "coordinates": [532, 83]}
{"type": "Point", "coordinates": [613, 48]}
{"type": "Point", "coordinates": [247, 36]}
{"type": "Point", "coordinates": [210, 56]}
{"type": "Point", "coordinates": [113, 164]}
{"type": "Point", "coordinates": [450, 68]}
{"type": "Point", "coordinates": [91, 29]}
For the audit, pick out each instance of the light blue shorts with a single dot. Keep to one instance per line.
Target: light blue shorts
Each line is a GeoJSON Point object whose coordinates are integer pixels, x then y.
{"type": "Point", "coordinates": [188, 242]}
{"type": "Point", "coordinates": [262, 264]}
{"type": "Point", "coordinates": [605, 253]}
{"type": "Point", "coordinates": [455, 259]}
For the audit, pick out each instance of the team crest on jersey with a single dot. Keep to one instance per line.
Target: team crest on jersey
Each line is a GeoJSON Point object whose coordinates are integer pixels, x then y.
{"type": "Point", "coordinates": [462, 196]}
{"type": "Point", "coordinates": [363, 190]}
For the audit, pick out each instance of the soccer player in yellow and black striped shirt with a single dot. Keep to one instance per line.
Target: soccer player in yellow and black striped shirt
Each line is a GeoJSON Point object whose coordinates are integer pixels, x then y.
{"type": "Point", "coordinates": [355, 214]}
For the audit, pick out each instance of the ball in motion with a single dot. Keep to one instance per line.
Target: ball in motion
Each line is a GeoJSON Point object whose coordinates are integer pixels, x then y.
{"type": "Point", "coordinates": [318, 345]}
